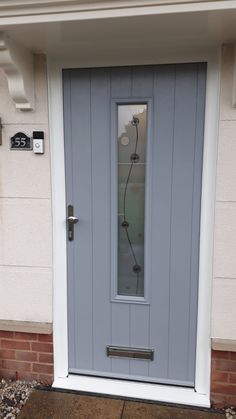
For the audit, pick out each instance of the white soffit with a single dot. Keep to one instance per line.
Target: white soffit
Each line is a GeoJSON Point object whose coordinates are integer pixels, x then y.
{"type": "Point", "coordinates": [127, 35]}
{"type": "Point", "coordinates": [94, 31]}
{"type": "Point", "coordinates": [17, 63]}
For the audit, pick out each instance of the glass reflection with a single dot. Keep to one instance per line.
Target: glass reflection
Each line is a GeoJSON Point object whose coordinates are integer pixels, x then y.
{"type": "Point", "coordinates": [132, 139]}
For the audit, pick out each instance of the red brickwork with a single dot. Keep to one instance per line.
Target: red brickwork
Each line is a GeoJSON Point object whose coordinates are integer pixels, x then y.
{"type": "Point", "coordinates": [223, 379]}
{"type": "Point", "coordinates": [26, 356]}
{"type": "Point", "coordinates": [30, 356]}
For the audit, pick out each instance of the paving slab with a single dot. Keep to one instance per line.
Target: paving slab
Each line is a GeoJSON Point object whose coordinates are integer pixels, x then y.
{"type": "Point", "coordinates": [153, 411]}
{"type": "Point", "coordinates": [60, 405]}
{"type": "Point", "coordinates": [57, 405]}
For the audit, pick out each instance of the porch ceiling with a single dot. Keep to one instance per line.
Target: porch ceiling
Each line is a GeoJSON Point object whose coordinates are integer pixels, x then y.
{"type": "Point", "coordinates": [127, 36]}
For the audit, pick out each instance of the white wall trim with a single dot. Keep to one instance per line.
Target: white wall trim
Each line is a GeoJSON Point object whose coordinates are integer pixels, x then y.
{"type": "Point", "coordinates": [234, 79]}
{"type": "Point", "coordinates": [60, 336]}
{"type": "Point", "coordinates": [26, 327]}
{"type": "Point", "coordinates": [203, 353]}
{"type": "Point", "coordinates": [58, 12]}
{"type": "Point", "coordinates": [201, 395]}
{"type": "Point", "coordinates": [223, 344]}
{"type": "Point", "coordinates": [17, 63]}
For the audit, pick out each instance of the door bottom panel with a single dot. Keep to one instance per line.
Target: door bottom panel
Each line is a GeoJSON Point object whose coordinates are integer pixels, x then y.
{"type": "Point", "coordinates": [129, 377]}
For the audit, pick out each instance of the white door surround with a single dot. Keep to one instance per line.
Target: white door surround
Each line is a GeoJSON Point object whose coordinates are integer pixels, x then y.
{"type": "Point", "coordinates": [201, 395]}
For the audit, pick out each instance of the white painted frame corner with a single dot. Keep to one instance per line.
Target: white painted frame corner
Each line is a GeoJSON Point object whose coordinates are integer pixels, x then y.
{"type": "Point", "coordinates": [201, 395]}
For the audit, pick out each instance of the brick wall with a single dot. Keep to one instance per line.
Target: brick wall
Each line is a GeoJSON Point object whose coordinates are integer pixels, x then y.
{"type": "Point", "coordinates": [223, 378]}
{"type": "Point", "coordinates": [30, 356]}
{"type": "Point", "coordinates": [26, 356]}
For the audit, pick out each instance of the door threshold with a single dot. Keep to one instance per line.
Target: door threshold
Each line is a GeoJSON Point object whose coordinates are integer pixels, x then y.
{"type": "Point", "coordinates": [135, 390]}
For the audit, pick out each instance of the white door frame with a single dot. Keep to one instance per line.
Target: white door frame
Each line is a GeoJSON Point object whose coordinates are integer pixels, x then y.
{"type": "Point", "coordinates": [200, 396]}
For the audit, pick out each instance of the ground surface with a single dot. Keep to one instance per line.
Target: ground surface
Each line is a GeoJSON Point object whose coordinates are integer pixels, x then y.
{"type": "Point", "coordinates": [58, 405]}
{"type": "Point", "coordinates": [13, 395]}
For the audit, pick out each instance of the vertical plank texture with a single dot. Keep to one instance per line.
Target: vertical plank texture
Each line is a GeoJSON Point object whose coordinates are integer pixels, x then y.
{"type": "Point", "coordinates": [168, 322]}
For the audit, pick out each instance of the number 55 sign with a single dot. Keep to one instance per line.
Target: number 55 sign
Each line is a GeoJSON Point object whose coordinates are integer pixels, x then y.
{"type": "Point", "coordinates": [20, 141]}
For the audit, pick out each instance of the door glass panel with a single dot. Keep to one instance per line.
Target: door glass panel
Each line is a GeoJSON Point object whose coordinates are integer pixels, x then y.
{"type": "Point", "coordinates": [132, 140]}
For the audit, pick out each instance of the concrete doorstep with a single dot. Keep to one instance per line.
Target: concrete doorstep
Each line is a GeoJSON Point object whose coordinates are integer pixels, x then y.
{"type": "Point", "coordinates": [60, 405]}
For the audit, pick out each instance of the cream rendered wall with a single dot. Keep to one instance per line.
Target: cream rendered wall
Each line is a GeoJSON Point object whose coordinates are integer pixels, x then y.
{"type": "Point", "coordinates": [25, 210]}
{"type": "Point", "coordinates": [224, 281]}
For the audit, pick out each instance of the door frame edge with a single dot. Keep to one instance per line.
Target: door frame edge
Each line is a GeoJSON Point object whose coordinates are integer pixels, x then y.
{"type": "Point", "coordinates": [200, 396]}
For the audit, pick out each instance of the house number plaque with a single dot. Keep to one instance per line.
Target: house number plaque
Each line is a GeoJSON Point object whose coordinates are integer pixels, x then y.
{"type": "Point", "coordinates": [20, 141]}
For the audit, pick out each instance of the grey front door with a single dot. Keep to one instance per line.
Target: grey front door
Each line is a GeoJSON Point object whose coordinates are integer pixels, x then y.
{"type": "Point", "coordinates": [133, 153]}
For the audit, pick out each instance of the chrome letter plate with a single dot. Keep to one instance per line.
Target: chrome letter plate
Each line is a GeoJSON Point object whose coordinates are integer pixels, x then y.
{"type": "Point", "coordinates": [134, 353]}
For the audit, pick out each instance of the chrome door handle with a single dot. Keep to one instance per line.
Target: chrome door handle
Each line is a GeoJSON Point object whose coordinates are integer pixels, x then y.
{"type": "Point", "coordinates": [71, 221]}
